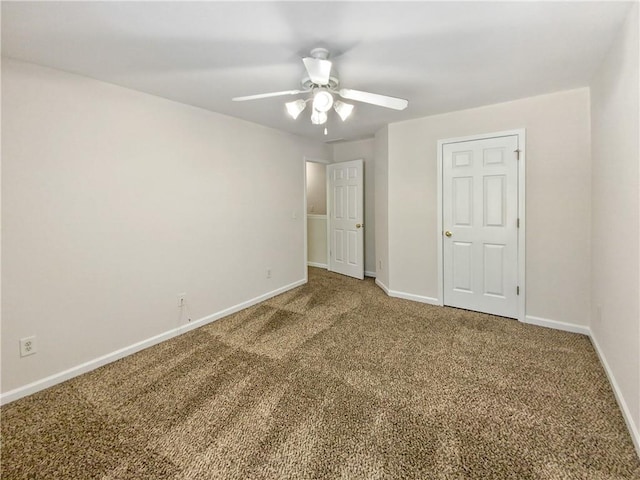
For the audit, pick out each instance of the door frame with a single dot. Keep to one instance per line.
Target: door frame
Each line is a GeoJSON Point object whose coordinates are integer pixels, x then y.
{"type": "Point", "coordinates": [306, 159]}
{"type": "Point", "coordinates": [521, 134]}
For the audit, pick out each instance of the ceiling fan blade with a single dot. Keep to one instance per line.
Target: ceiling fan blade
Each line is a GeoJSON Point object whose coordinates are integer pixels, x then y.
{"type": "Point", "coordinates": [267, 95]}
{"type": "Point", "coordinates": [374, 99]}
{"type": "Point", "coordinates": [318, 69]}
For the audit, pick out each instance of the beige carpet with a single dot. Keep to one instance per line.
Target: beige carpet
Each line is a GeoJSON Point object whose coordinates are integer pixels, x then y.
{"type": "Point", "coordinates": [333, 380]}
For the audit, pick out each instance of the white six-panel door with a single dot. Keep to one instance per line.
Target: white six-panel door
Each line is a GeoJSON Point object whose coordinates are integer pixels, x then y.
{"type": "Point", "coordinates": [345, 215]}
{"type": "Point", "coordinates": [480, 225]}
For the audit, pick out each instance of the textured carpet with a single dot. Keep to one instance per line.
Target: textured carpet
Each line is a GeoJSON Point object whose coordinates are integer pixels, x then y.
{"type": "Point", "coordinates": [333, 380]}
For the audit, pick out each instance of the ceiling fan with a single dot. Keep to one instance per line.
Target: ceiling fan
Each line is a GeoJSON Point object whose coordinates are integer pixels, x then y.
{"type": "Point", "coordinates": [323, 87]}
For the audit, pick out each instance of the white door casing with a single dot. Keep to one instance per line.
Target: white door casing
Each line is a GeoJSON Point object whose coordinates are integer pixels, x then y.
{"type": "Point", "coordinates": [480, 212]}
{"type": "Point", "coordinates": [345, 216]}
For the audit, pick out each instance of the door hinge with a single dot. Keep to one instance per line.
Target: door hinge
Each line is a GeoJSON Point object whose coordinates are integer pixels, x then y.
{"type": "Point", "coordinates": [518, 223]}
{"type": "Point", "coordinates": [517, 152]}
{"type": "Point", "coordinates": [518, 290]}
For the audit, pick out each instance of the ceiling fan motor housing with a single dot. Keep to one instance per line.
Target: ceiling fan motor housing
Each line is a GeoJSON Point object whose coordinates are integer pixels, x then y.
{"type": "Point", "coordinates": [307, 84]}
{"type": "Point", "coordinates": [320, 53]}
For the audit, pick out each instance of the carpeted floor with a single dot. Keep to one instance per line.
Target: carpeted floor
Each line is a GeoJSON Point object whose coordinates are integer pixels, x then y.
{"type": "Point", "coordinates": [333, 380]}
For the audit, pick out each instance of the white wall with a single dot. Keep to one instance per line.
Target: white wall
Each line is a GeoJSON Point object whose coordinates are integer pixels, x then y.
{"type": "Point", "coordinates": [381, 153]}
{"type": "Point", "coordinates": [115, 201]}
{"type": "Point", "coordinates": [364, 149]}
{"type": "Point", "coordinates": [316, 188]}
{"type": "Point", "coordinates": [317, 240]}
{"type": "Point", "coordinates": [558, 186]}
{"type": "Point", "coordinates": [616, 216]}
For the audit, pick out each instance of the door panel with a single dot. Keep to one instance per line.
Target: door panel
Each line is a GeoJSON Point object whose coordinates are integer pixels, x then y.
{"type": "Point", "coordinates": [494, 201]}
{"type": "Point", "coordinates": [462, 201]}
{"type": "Point", "coordinates": [353, 202]}
{"type": "Point", "coordinates": [480, 208]}
{"type": "Point", "coordinates": [462, 159]}
{"type": "Point", "coordinates": [494, 156]}
{"type": "Point", "coordinates": [494, 270]}
{"type": "Point", "coordinates": [339, 202]}
{"type": "Point", "coordinates": [338, 236]}
{"type": "Point", "coordinates": [346, 194]}
{"type": "Point", "coordinates": [462, 266]}
{"type": "Point", "coordinates": [353, 248]}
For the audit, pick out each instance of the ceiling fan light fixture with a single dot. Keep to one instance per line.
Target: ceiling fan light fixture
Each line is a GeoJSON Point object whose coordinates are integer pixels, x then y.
{"type": "Point", "coordinates": [322, 101]}
{"type": "Point", "coordinates": [322, 89]}
{"type": "Point", "coordinates": [343, 109]}
{"type": "Point", "coordinates": [318, 118]}
{"type": "Point", "coordinates": [295, 108]}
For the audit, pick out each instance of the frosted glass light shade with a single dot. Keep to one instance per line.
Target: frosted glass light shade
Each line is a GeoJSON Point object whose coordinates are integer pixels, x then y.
{"type": "Point", "coordinates": [318, 118]}
{"type": "Point", "coordinates": [343, 109]}
{"type": "Point", "coordinates": [295, 108]}
{"type": "Point", "coordinates": [322, 101]}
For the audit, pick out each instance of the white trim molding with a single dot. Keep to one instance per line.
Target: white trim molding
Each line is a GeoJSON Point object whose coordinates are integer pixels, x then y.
{"type": "Point", "coordinates": [72, 372]}
{"type": "Point", "coordinates": [529, 319]}
{"type": "Point", "coordinates": [319, 265]}
{"type": "Point", "coordinates": [315, 160]}
{"type": "Point", "coordinates": [626, 411]}
{"type": "Point", "coordinates": [556, 325]}
{"type": "Point", "coordinates": [384, 288]}
{"type": "Point", "coordinates": [369, 274]}
{"type": "Point", "coordinates": [408, 296]}
{"type": "Point", "coordinates": [415, 298]}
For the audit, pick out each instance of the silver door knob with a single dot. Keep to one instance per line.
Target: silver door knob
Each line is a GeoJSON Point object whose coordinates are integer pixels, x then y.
{"type": "Point", "coordinates": [359, 225]}
{"type": "Point", "coordinates": [448, 233]}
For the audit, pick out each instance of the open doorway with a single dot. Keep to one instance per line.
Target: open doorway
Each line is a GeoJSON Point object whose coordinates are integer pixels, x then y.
{"type": "Point", "coordinates": [335, 242]}
{"type": "Point", "coordinates": [316, 212]}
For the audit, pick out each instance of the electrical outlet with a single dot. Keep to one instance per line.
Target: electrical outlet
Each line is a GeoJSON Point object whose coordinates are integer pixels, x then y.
{"type": "Point", "coordinates": [28, 346]}
{"type": "Point", "coordinates": [268, 273]}
{"type": "Point", "coordinates": [379, 264]}
{"type": "Point", "coordinates": [182, 299]}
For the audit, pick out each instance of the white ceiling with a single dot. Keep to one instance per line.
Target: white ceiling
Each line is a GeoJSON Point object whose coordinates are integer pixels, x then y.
{"type": "Point", "coordinates": [441, 56]}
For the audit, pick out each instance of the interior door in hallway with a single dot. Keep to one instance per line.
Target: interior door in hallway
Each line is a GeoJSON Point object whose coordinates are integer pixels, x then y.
{"type": "Point", "coordinates": [346, 218]}
{"type": "Point", "coordinates": [480, 225]}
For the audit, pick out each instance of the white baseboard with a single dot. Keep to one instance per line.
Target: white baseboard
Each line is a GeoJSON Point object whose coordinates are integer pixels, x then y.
{"type": "Point", "coordinates": [407, 296]}
{"type": "Point", "coordinates": [626, 413]}
{"type": "Point", "coordinates": [65, 375]}
{"type": "Point", "coordinates": [384, 288]}
{"type": "Point", "coordinates": [316, 264]}
{"type": "Point", "coordinates": [325, 266]}
{"type": "Point", "coordinates": [415, 298]}
{"type": "Point", "coordinates": [555, 324]}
